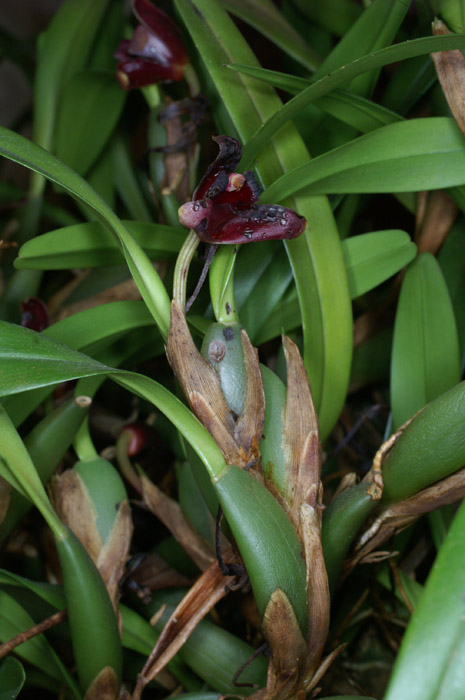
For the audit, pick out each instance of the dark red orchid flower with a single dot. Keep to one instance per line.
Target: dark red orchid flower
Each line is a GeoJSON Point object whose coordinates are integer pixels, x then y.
{"type": "Point", "coordinates": [155, 54]}
{"type": "Point", "coordinates": [34, 314]}
{"type": "Point", "coordinates": [224, 207]}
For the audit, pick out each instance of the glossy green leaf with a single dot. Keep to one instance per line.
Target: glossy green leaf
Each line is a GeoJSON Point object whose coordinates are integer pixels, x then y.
{"type": "Point", "coordinates": [91, 245]}
{"type": "Point", "coordinates": [265, 294]}
{"type": "Point", "coordinates": [336, 16]}
{"type": "Point", "coordinates": [89, 110]}
{"type": "Point", "coordinates": [89, 608]}
{"type": "Point", "coordinates": [452, 263]}
{"type": "Point", "coordinates": [37, 651]}
{"type": "Point", "coordinates": [339, 78]}
{"type": "Point", "coordinates": [12, 677]}
{"type": "Point", "coordinates": [19, 149]}
{"type": "Point", "coordinates": [316, 257]}
{"type": "Point", "coordinates": [52, 361]}
{"type": "Point", "coordinates": [429, 449]}
{"type": "Point", "coordinates": [371, 258]}
{"type": "Point", "coordinates": [126, 182]}
{"type": "Point", "coordinates": [265, 17]}
{"type": "Point", "coordinates": [220, 278]}
{"type": "Point", "coordinates": [425, 355]}
{"type": "Point", "coordinates": [374, 29]}
{"type": "Point", "coordinates": [63, 51]}
{"type": "Point", "coordinates": [354, 110]}
{"type": "Point", "coordinates": [429, 665]}
{"type": "Point", "coordinates": [418, 154]}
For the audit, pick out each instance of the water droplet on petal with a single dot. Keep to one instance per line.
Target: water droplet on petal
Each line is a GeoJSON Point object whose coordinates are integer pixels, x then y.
{"type": "Point", "coordinates": [196, 207]}
{"type": "Point", "coordinates": [283, 222]}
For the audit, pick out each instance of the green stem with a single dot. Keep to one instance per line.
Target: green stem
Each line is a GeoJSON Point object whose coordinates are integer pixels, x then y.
{"type": "Point", "coordinates": [192, 80]}
{"type": "Point", "coordinates": [83, 445]}
{"type": "Point", "coordinates": [182, 268]}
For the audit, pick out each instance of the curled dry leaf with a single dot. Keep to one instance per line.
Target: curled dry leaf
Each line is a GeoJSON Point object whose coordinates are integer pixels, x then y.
{"type": "Point", "coordinates": [207, 591]}
{"type": "Point", "coordinates": [450, 69]}
{"type": "Point", "coordinates": [171, 515]}
{"type": "Point", "coordinates": [104, 687]}
{"type": "Point", "coordinates": [392, 519]}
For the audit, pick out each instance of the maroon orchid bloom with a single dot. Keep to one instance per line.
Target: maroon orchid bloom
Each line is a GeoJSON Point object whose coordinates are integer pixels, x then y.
{"type": "Point", "coordinates": [34, 314]}
{"type": "Point", "coordinates": [155, 54]}
{"type": "Point", "coordinates": [224, 207]}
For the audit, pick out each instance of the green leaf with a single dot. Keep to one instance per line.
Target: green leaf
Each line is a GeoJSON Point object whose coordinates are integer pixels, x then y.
{"type": "Point", "coordinates": [63, 51]}
{"type": "Point", "coordinates": [425, 355]}
{"type": "Point", "coordinates": [429, 665]}
{"type": "Point", "coordinates": [372, 258]}
{"type": "Point", "coordinates": [220, 278]}
{"type": "Point", "coordinates": [31, 360]}
{"type": "Point", "coordinates": [265, 17]}
{"type": "Point", "coordinates": [452, 263]}
{"type": "Point", "coordinates": [12, 677]}
{"type": "Point", "coordinates": [339, 78]}
{"type": "Point", "coordinates": [336, 16]}
{"type": "Point", "coordinates": [358, 112]}
{"type": "Point", "coordinates": [37, 651]}
{"type": "Point", "coordinates": [89, 110]}
{"type": "Point", "coordinates": [90, 244]}
{"type": "Point", "coordinates": [374, 29]}
{"type": "Point", "coordinates": [19, 149]}
{"type": "Point", "coordinates": [418, 154]}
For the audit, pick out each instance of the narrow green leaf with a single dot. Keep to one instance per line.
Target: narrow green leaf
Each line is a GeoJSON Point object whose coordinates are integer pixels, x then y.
{"type": "Point", "coordinates": [429, 665]}
{"type": "Point", "coordinates": [126, 181]}
{"type": "Point", "coordinates": [418, 154]}
{"type": "Point", "coordinates": [19, 149]}
{"type": "Point", "coordinates": [265, 17]}
{"type": "Point", "coordinates": [337, 16]}
{"type": "Point", "coordinates": [89, 110]}
{"type": "Point", "coordinates": [452, 263]}
{"type": "Point", "coordinates": [12, 677]}
{"type": "Point", "coordinates": [340, 77]}
{"type": "Point", "coordinates": [91, 245]}
{"type": "Point", "coordinates": [37, 651]}
{"type": "Point", "coordinates": [354, 110]}
{"type": "Point", "coordinates": [63, 51]}
{"type": "Point", "coordinates": [220, 278]}
{"type": "Point", "coordinates": [374, 29]}
{"type": "Point", "coordinates": [425, 356]}
{"type": "Point", "coordinates": [372, 258]}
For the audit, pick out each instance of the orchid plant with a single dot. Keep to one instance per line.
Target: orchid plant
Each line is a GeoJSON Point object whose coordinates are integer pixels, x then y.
{"type": "Point", "coordinates": [231, 419]}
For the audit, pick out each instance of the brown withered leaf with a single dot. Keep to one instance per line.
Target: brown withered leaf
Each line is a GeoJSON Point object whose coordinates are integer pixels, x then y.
{"type": "Point", "coordinates": [75, 509]}
{"type": "Point", "coordinates": [5, 490]}
{"type": "Point", "coordinates": [390, 520]}
{"type": "Point", "coordinates": [436, 212]}
{"type": "Point", "coordinates": [287, 649]}
{"type": "Point", "coordinates": [170, 513]}
{"type": "Point", "coordinates": [249, 425]}
{"type": "Point", "coordinates": [113, 556]}
{"type": "Point", "coordinates": [450, 69]}
{"type": "Point", "coordinates": [104, 687]}
{"type": "Point", "coordinates": [301, 439]}
{"type": "Point", "coordinates": [209, 588]}
{"type": "Point", "coordinates": [318, 600]}
{"type": "Point", "coordinates": [154, 573]}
